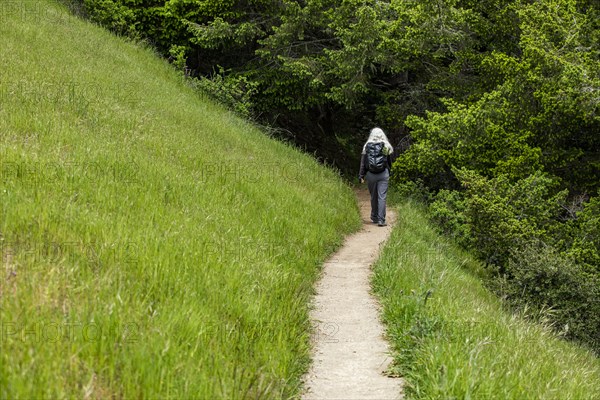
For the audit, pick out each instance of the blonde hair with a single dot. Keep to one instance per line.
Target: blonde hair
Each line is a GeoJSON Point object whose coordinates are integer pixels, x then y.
{"type": "Point", "coordinates": [378, 136]}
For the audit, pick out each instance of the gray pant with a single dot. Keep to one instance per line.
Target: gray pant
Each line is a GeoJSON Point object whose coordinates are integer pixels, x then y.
{"type": "Point", "coordinates": [378, 186]}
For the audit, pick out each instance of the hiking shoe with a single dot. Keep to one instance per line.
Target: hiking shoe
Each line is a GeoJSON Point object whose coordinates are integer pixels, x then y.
{"type": "Point", "coordinates": [381, 223]}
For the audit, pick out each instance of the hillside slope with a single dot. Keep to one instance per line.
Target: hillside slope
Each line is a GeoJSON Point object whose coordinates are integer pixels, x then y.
{"type": "Point", "coordinates": [152, 244]}
{"type": "Point", "coordinates": [454, 339]}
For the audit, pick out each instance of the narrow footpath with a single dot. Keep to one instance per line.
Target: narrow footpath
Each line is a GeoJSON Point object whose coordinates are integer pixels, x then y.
{"type": "Point", "coordinates": [350, 354]}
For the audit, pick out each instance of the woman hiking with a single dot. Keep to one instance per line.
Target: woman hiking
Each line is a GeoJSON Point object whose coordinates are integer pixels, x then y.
{"type": "Point", "coordinates": [375, 164]}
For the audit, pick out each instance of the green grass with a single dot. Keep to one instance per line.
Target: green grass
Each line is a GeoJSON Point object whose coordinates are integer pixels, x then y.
{"type": "Point", "coordinates": [152, 244]}
{"type": "Point", "coordinates": [453, 339]}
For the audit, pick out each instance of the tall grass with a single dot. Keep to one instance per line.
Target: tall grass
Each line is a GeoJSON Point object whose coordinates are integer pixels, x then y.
{"type": "Point", "coordinates": [152, 244]}
{"type": "Point", "coordinates": [453, 339]}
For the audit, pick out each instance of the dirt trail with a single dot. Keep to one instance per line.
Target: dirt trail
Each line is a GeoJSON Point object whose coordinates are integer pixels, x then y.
{"type": "Point", "coordinates": [350, 354]}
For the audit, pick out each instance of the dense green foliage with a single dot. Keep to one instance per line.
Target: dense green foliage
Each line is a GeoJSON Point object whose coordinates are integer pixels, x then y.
{"type": "Point", "coordinates": [542, 111]}
{"type": "Point", "coordinates": [497, 101]}
{"type": "Point", "coordinates": [523, 78]}
{"type": "Point", "coordinates": [516, 168]}
{"type": "Point", "coordinates": [152, 244]}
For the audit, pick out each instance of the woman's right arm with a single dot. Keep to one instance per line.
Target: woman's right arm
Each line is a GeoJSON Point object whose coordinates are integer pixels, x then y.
{"type": "Point", "coordinates": [363, 167]}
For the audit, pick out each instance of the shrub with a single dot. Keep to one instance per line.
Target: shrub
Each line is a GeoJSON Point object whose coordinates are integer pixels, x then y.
{"type": "Point", "coordinates": [111, 15]}
{"type": "Point", "coordinates": [585, 240]}
{"type": "Point", "coordinates": [538, 276]}
{"type": "Point", "coordinates": [503, 215]}
{"type": "Point", "coordinates": [414, 189]}
{"type": "Point", "coordinates": [448, 210]}
{"type": "Point", "coordinates": [234, 92]}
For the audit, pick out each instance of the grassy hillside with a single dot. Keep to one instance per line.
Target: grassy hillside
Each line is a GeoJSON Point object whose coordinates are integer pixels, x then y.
{"type": "Point", "coordinates": [454, 340]}
{"type": "Point", "coordinates": [152, 244]}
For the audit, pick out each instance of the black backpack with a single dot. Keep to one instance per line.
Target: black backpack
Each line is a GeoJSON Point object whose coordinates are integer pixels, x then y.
{"type": "Point", "coordinates": [376, 160]}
